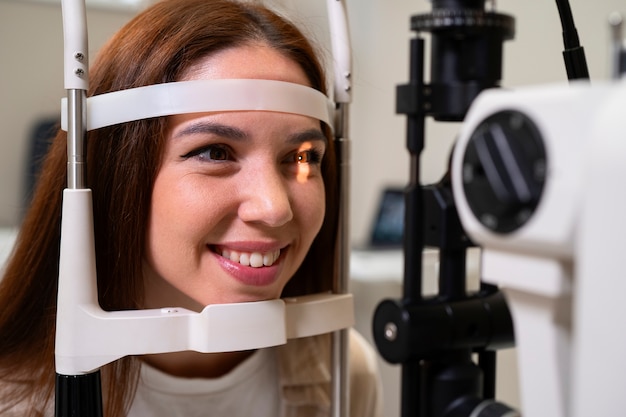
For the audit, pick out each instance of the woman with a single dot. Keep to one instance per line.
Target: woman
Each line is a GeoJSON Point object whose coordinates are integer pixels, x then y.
{"type": "Point", "coordinates": [185, 208]}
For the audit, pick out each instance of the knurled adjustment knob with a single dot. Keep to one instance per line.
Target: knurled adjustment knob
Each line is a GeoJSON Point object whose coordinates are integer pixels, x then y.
{"type": "Point", "coordinates": [504, 171]}
{"type": "Point", "coordinates": [465, 21]}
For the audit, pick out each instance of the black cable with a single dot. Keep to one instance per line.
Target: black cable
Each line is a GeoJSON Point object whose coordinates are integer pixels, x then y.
{"type": "Point", "coordinates": [574, 54]}
{"type": "Point", "coordinates": [570, 34]}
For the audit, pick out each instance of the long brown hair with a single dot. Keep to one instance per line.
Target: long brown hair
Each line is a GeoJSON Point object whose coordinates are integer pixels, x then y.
{"type": "Point", "coordinates": [157, 46]}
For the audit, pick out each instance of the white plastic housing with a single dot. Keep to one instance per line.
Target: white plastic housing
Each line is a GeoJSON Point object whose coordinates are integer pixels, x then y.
{"type": "Point", "coordinates": [75, 45]}
{"type": "Point", "coordinates": [599, 374]}
{"type": "Point", "coordinates": [342, 54]}
{"type": "Point", "coordinates": [203, 96]}
{"type": "Point", "coordinates": [561, 271]}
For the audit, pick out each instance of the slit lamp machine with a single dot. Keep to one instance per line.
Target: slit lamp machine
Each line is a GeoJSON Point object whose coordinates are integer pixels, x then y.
{"type": "Point", "coordinates": [534, 180]}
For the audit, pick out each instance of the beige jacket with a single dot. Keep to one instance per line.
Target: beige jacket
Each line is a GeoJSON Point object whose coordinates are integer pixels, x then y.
{"type": "Point", "coordinates": [305, 370]}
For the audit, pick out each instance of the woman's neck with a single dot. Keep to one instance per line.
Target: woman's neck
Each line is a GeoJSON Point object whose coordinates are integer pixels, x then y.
{"type": "Point", "coordinates": [196, 365]}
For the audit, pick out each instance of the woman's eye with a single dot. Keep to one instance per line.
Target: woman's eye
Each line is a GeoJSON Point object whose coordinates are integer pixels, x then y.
{"type": "Point", "coordinates": [308, 156]}
{"type": "Point", "coordinates": [211, 153]}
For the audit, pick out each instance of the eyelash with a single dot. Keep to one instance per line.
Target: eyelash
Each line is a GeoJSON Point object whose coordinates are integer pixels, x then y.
{"type": "Point", "coordinates": [312, 155]}
{"type": "Point", "coordinates": [198, 153]}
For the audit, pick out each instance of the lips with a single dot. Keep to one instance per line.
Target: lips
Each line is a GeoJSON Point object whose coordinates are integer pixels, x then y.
{"type": "Point", "coordinates": [258, 267]}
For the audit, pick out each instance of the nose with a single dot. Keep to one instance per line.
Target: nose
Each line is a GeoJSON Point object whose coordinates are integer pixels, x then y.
{"type": "Point", "coordinates": [265, 198]}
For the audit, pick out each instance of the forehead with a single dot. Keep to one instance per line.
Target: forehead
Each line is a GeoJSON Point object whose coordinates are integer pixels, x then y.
{"type": "Point", "coordinates": [248, 127]}
{"type": "Point", "coordinates": [258, 61]}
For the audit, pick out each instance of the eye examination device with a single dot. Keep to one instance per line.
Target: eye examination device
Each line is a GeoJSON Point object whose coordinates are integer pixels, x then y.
{"type": "Point", "coordinates": [535, 181]}
{"type": "Point", "coordinates": [88, 337]}
{"type": "Point", "coordinates": [538, 176]}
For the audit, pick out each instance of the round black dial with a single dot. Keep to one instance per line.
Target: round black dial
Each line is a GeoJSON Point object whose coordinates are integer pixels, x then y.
{"type": "Point", "coordinates": [504, 170]}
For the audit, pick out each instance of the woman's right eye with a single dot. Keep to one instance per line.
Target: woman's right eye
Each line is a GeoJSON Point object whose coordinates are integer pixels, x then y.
{"type": "Point", "coordinates": [210, 153]}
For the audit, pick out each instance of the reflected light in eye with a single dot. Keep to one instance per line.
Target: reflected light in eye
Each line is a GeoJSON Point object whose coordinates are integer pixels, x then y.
{"type": "Point", "coordinates": [304, 168]}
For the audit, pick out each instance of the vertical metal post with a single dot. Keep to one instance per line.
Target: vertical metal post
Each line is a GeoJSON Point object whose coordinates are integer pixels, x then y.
{"type": "Point", "coordinates": [340, 386]}
{"type": "Point", "coordinates": [342, 60]}
{"type": "Point", "coordinates": [78, 395]}
{"type": "Point", "coordinates": [618, 55]}
{"type": "Point", "coordinates": [414, 223]}
{"type": "Point", "coordinates": [76, 128]}
{"type": "Point", "coordinates": [75, 395]}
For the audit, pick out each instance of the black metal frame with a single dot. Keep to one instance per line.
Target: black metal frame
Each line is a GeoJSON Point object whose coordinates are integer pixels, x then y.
{"type": "Point", "coordinates": [436, 338]}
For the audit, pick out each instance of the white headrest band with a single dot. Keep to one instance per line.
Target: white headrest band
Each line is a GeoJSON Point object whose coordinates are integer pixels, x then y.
{"type": "Point", "coordinates": [203, 96]}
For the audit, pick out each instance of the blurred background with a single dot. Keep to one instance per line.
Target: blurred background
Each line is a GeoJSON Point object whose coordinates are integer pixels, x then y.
{"type": "Point", "coordinates": [31, 87]}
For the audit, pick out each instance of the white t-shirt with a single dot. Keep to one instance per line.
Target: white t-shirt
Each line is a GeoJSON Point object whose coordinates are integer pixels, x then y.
{"type": "Point", "coordinates": [250, 386]}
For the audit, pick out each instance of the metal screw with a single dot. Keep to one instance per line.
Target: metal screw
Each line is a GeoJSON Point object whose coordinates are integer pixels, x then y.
{"type": "Point", "coordinates": [391, 331]}
{"type": "Point", "coordinates": [489, 220]}
{"type": "Point", "coordinates": [79, 56]}
{"type": "Point", "coordinates": [79, 72]}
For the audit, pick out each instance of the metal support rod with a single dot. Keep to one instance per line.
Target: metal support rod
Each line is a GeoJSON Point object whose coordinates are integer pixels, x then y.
{"type": "Point", "coordinates": [414, 224]}
{"type": "Point", "coordinates": [413, 241]}
{"type": "Point", "coordinates": [616, 22]}
{"type": "Point", "coordinates": [79, 395]}
{"type": "Point", "coordinates": [452, 282]}
{"type": "Point", "coordinates": [76, 129]}
{"type": "Point", "coordinates": [340, 383]}
{"type": "Point", "coordinates": [76, 395]}
{"type": "Point", "coordinates": [342, 60]}
{"type": "Point", "coordinates": [487, 360]}
{"type": "Point", "coordinates": [340, 388]}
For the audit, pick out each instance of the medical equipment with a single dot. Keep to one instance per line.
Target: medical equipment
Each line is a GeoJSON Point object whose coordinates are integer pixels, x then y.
{"type": "Point", "coordinates": [88, 337]}
{"type": "Point", "coordinates": [537, 176]}
{"type": "Point", "coordinates": [549, 224]}
{"type": "Point", "coordinates": [434, 338]}
{"type": "Point", "coordinates": [534, 176]}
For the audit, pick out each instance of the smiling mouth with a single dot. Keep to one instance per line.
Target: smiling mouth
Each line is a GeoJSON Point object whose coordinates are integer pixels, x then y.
{"type": "Point", "coordinates": [252, 259]}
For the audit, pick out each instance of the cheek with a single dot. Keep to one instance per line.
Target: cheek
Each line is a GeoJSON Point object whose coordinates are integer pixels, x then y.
{"type": "Point", "coordinates": [169, 206]}
{"type": "Point", "coordinates": [163, 221]}
{"type": "Point", "coordinates": [177, 211]}
{"type": "Point", "coordinates": [187, 208]}
{"type": "Point", "coordinates": [312, 208]}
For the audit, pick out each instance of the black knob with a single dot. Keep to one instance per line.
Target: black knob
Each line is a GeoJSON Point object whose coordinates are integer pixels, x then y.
{"type": "Point", "coordinates": [504, 171]}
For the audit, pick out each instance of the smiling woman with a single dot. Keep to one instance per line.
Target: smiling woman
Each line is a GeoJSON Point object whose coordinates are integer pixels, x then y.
{"type": "Point", "coordinates": [192, 209]}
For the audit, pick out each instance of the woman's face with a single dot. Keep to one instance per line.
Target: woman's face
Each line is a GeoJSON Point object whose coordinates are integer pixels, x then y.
{"type": "Point", "coordinates": [239, 197]}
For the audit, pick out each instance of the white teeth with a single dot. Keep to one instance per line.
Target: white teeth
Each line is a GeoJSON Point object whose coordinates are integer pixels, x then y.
{"type": "Point", "coordinates": [253, 259]}
{"type": "Point", "coordinates": [256, 260]}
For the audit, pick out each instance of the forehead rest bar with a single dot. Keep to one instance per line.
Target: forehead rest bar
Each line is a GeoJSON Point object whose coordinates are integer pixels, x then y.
{"type": "Point", "coordinates": [203, 96]}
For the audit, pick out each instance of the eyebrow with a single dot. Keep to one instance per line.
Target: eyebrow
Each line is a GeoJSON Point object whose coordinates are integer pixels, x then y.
{"type": "Point", "coordinates": [308, 136]}
{"type": "Point", "coordinates": [212, 128]}
{"type": "Point", "coordinates": [230, 132]}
